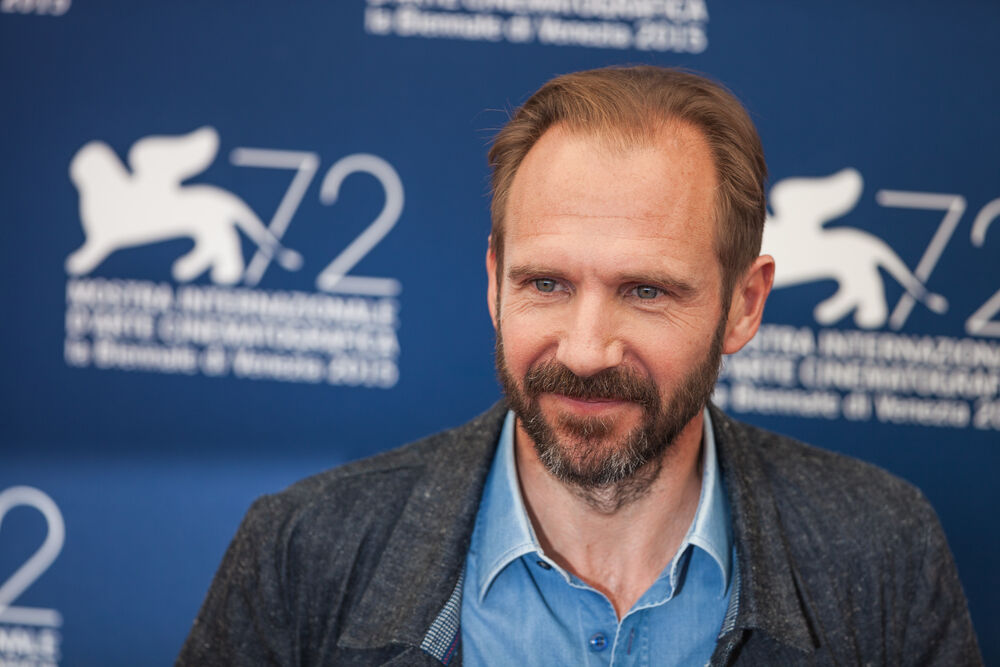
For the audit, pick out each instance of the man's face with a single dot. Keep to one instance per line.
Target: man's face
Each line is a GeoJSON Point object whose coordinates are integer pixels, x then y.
{"type": "Point", "coordinates": [609, 313]}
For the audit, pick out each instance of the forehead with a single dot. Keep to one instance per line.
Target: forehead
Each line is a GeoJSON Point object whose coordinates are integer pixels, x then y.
{"type": "Point", "coordinates": [659, 193]}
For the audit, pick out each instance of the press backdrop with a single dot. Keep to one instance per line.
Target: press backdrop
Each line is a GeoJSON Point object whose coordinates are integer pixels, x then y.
{"type": "Point", "coordinates": [242, 242]}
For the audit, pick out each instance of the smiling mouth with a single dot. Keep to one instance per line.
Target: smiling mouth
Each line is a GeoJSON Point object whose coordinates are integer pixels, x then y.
{"type": "Point", "coordinates": [589, 404]}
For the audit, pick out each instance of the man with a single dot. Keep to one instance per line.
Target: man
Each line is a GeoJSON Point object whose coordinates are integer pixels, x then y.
{"type": "Point", "coordinates": [609, 517]}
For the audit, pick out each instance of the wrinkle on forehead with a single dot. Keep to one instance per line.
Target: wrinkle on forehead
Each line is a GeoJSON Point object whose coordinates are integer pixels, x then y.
{"type": "Point", "coordinates": [629, 228]}
{"type": "Point", "coordinates": [582, 175]}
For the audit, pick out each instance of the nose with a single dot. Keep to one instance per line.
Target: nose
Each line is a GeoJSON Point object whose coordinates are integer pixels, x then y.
{"type": "Point", "coordinates": [589, 343]}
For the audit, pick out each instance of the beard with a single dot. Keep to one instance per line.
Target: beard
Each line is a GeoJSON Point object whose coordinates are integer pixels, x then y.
{"type": "Point", "coordinates": [582, 452]}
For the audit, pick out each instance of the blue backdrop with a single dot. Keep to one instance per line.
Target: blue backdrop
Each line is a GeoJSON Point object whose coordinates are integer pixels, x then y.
{"type": "Point", "coordinates": [243, 242]}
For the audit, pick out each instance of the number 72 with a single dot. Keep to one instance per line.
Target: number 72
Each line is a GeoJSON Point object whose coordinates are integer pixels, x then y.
{"type": "Point", "coordinates": [334, 277]}
{"type": "Point", "coordinates": [980, 322]}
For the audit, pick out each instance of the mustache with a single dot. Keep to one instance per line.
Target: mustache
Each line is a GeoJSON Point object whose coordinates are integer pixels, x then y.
{"type": "Point", "coordinates": [616, 384]}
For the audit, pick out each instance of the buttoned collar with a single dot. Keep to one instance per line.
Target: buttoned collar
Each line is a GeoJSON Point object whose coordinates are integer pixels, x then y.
{"type": "Point", "coordinates": [504, 533]}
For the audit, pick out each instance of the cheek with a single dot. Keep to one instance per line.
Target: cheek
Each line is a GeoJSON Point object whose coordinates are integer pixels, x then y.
{"type": "Point", "coordinates": [524, 343]}
{"type": "Point", "coordinates": [669, 353]}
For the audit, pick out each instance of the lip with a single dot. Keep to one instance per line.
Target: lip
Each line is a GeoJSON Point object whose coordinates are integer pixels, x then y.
{"type": "Point", "coordinates": [589, 406]}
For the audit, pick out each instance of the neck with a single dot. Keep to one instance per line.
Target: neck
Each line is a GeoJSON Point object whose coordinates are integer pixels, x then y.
{"type": "Point", "coordinates": [617, 542]}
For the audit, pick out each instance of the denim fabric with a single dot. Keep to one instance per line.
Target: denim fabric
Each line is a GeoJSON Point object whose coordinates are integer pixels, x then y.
{"type": "Point", "coordinates": [522, 608]}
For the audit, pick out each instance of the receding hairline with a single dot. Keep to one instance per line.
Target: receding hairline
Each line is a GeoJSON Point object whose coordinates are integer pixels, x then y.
{"type": "Point", "coordinates": [618, 140]}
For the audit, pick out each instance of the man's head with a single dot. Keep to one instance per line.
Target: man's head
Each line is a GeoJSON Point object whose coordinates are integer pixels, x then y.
{"type": "Point", "coordinates": [612, 288]}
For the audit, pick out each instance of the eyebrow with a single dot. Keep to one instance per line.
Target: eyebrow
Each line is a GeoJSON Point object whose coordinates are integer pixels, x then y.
{"type": "Point", "coordinates": [524, 271]}
{"type": "Point", "coordinates": [678, 286]}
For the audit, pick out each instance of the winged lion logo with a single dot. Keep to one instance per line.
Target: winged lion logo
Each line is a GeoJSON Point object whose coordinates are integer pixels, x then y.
{"type": "Point", "coordinates": [806, 251]}
{"type": "Point", "coordinates": [122, 207]}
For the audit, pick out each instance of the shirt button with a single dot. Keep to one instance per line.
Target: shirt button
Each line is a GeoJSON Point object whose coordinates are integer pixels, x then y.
{"type": "Point", "coordinates": [598, 642]}
{"type": "Point", "coordinates": [545, 566]}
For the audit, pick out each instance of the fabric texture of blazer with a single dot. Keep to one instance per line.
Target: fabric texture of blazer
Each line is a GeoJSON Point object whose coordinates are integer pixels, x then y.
{"type": "Point", "coordinates": [840, 563]}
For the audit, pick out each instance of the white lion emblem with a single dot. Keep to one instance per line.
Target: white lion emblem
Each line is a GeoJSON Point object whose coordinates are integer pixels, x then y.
{"type": "Point", "coordinates": [119, 209]}
{"type": "Point", "coordinates": [804, 251]}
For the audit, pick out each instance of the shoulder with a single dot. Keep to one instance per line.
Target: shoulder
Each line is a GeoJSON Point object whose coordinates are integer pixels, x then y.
{"type": "Point", "coordinates": [838, 555]}
{"type": "Point", "coordinates": [343, 546]}
{"type": "Point", "coordinates": [373, 489]}
{"type": "Point", "coordinates": [819, 494]}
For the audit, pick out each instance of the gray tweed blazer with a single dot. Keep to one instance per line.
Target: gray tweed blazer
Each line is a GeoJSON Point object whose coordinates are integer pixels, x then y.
{"type": "Point", "coordinates": [839, 562]}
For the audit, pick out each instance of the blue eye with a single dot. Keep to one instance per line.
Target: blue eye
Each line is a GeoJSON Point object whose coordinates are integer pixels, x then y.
{"type": "Point", "coordinates": [545, 284]}
{"type": "Point", "coordinates": [647, 292]}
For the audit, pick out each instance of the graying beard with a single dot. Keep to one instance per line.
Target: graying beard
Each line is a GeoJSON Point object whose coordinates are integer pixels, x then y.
{"type": "Point", "coordinates": [627, 474]}
{"type": "Point", "coordinates": [624, 476]}
{"type": "Point", "coordinates": [609, 497]}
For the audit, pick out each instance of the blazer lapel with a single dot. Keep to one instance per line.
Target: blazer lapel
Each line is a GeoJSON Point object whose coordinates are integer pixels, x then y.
{"type": "Point", "coordinates": [425, 555]}
{"type": "Point", "coordinates": [770, 597]}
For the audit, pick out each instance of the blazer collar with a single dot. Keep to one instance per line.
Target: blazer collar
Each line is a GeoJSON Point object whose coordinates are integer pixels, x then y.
{"type": "Point", "coordinates": [425, 555]}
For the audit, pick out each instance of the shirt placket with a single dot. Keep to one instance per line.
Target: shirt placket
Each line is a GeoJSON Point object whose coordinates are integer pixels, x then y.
{"type": "Point", "coordinates": [596, 621]}
{"type": "Point", "coordinates": [631, 646]}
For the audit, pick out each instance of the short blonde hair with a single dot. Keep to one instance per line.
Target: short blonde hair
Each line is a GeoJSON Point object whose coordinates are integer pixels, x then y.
{"type": "Point", "coordinates": [630, 105]}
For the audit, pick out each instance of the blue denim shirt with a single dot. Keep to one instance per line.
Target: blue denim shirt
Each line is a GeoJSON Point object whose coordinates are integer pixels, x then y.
{"type": "Point", "coordinates": [520, 608]}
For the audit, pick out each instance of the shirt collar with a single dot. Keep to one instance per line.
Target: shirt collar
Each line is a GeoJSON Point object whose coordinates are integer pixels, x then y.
{"type": "Point", "coordinates": [504, 533]}
{"type": "Point", "coordinates": [711, 530]}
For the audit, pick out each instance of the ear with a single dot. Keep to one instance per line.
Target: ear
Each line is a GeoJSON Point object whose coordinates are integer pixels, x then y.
{"type": "Point", "coordinates": [747, 305]}
{"type": "Point", "coordinates": [491, 281]}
